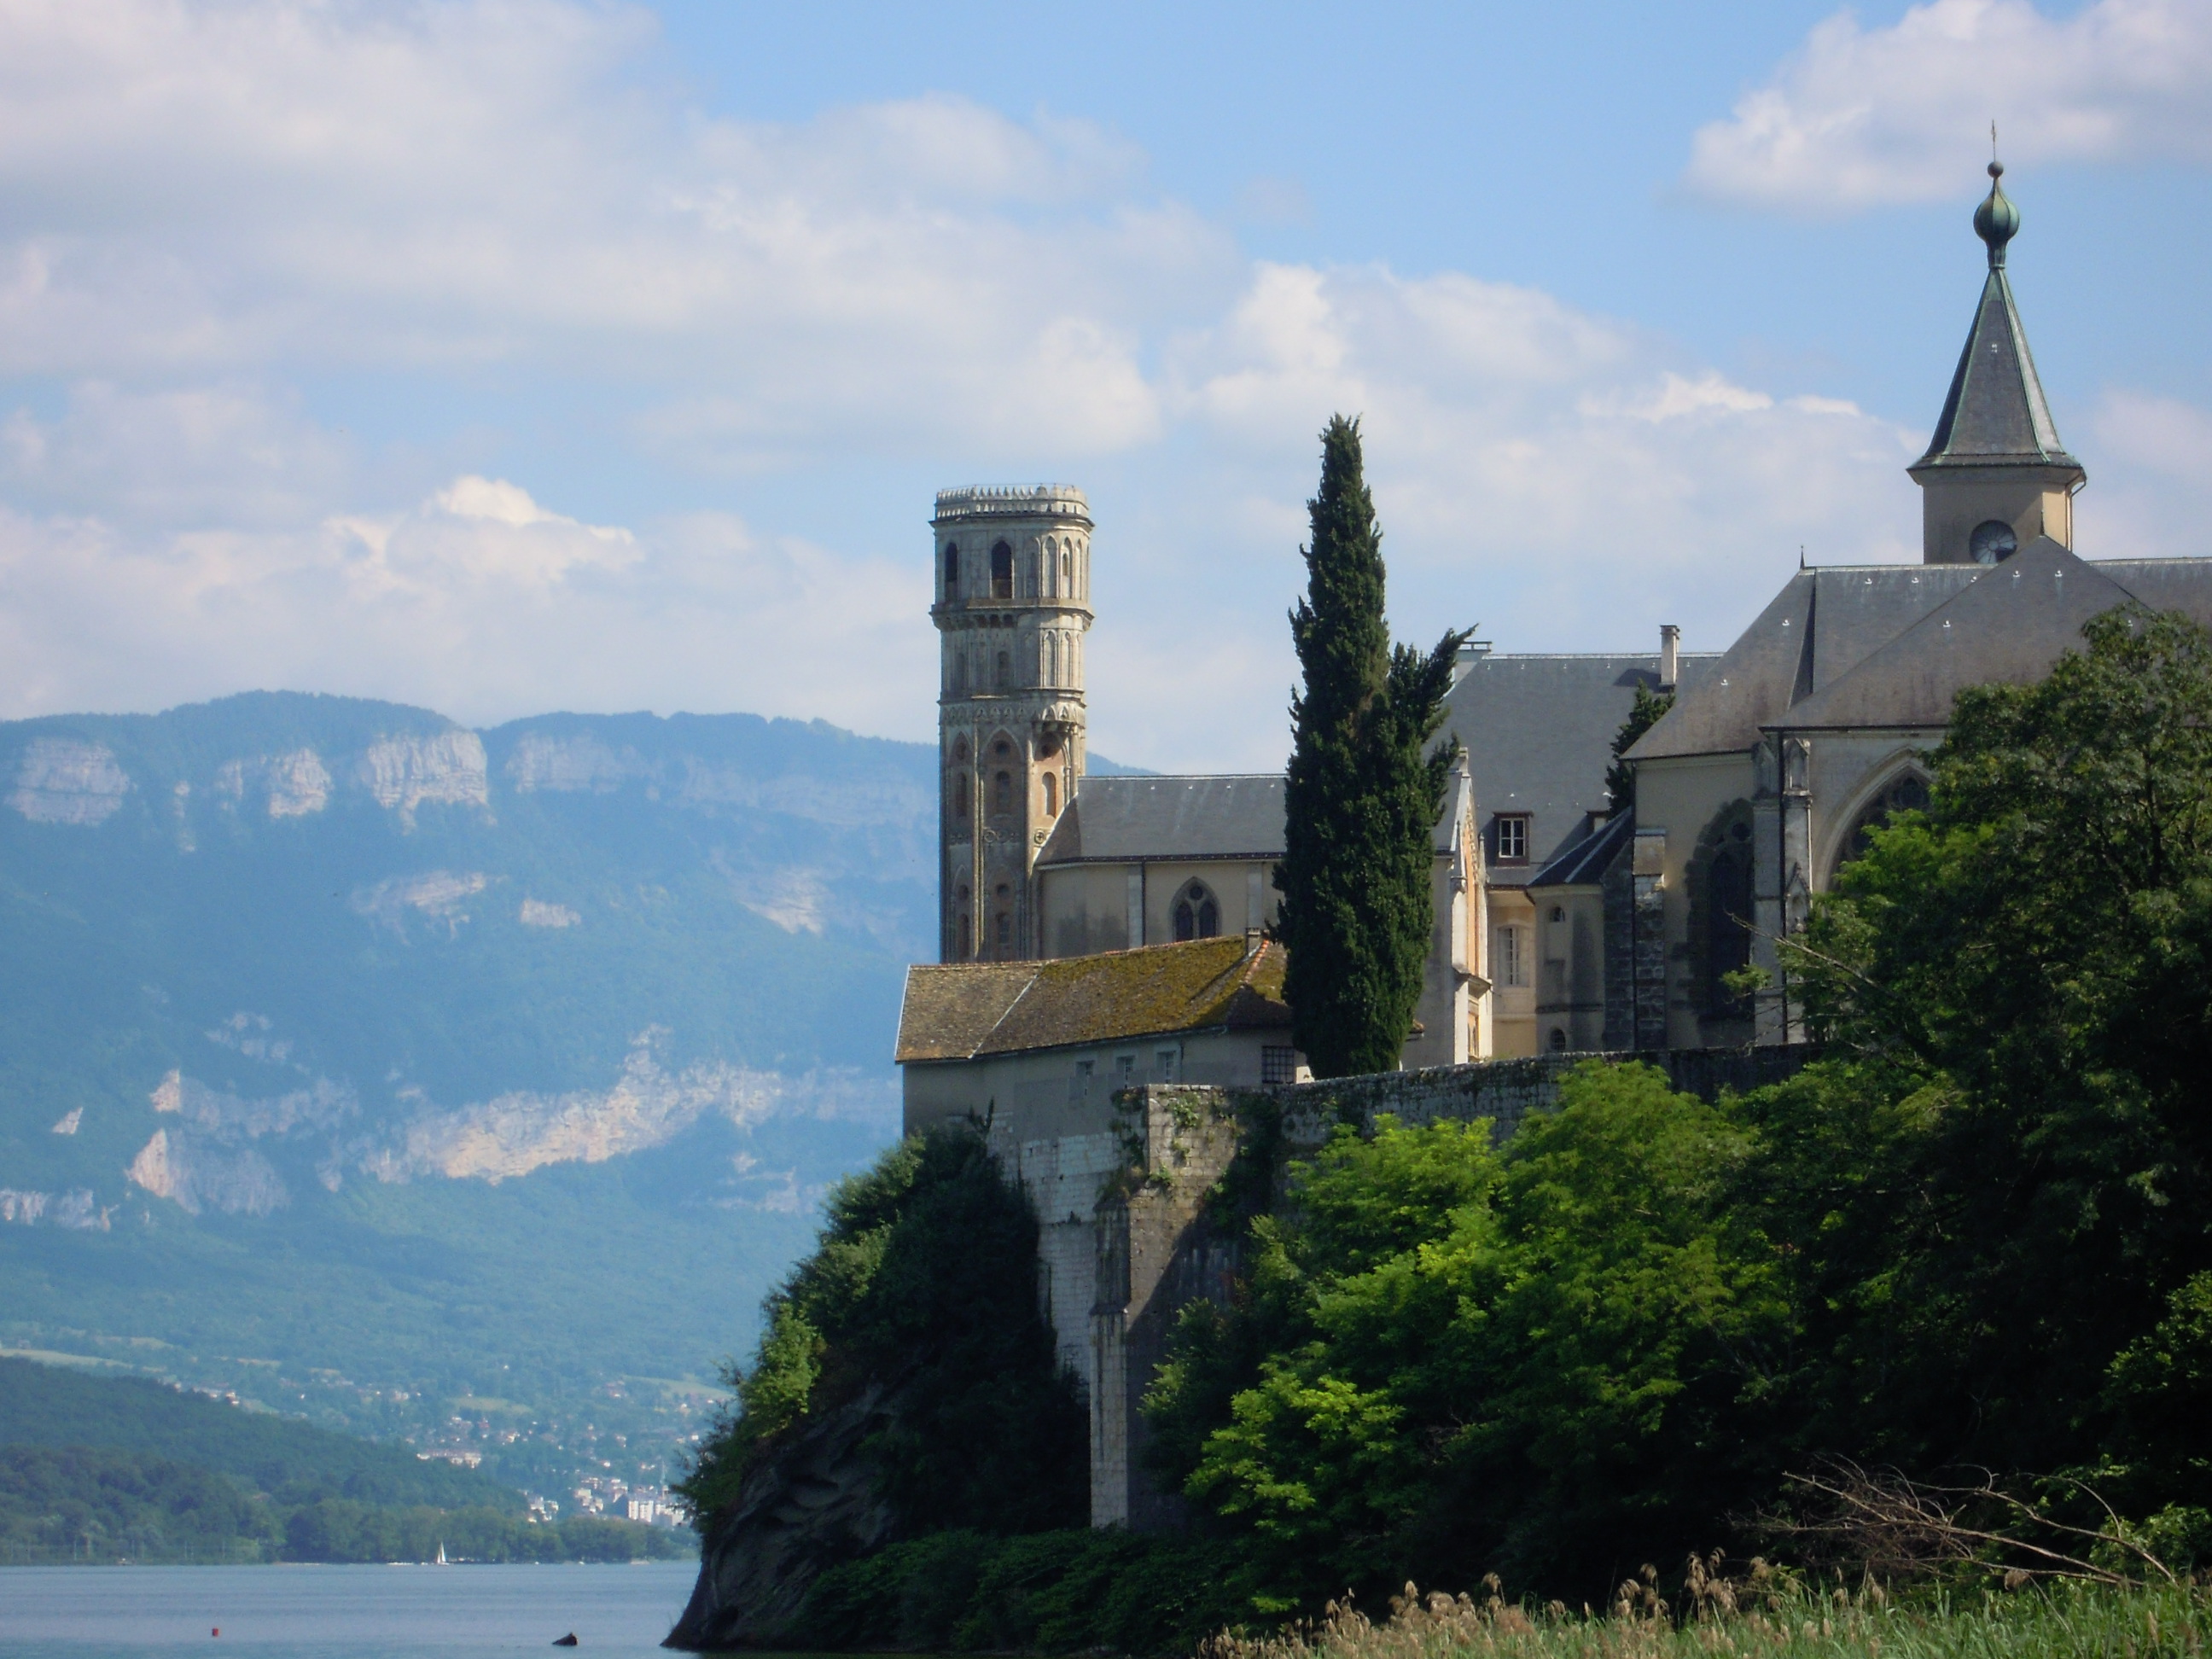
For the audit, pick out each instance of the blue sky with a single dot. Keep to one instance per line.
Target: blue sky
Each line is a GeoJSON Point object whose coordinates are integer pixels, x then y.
{"type": "Point", "coordinates": [509, 355]}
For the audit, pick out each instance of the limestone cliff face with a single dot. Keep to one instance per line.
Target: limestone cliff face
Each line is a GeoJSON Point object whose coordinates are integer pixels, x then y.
{"type": "Point", "coordinates": [198, 1175]}
{"type": "Point", "coordinates": [63, 780]}
{"type": "Point", "coordinates": [517, 1133]}
{"type": "Point", "coordinates": [79, 781]}
{"type": "Point", "coordinates": [403, 773]}
{"type": "Point", "coordinates": [288, 785]}
{"type": "Point", "coordinates": [810, 1508]}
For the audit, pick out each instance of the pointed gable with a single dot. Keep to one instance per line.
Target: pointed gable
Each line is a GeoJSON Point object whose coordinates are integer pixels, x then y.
{"type": "Point", "coordinates": [2010, 623]}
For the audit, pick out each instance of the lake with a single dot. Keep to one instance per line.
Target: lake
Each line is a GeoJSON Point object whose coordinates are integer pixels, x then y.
{"type": "Point", "coordinates": [340, 1612]}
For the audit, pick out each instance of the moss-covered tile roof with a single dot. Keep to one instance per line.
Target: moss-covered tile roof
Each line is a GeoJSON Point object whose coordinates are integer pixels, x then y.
{"type": "Point", "coordinates": [960, 1010]}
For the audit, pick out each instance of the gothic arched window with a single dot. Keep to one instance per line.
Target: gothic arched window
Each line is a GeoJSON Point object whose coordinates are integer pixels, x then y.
{"type": "Point", "coordinates": [1066, 571]}
{"type": "Point", "coordinates": [1907, 793]}
{"type": "Point", "coordinates": [952, 571]}
{"type": "Point", "coordinates": [1052, 659]}
{"type": "Point", "coordinates": [957, 786]}
{"type": "Point", "coordinates": [1051, 796]}
{"type": "Point", "coordinates": [1728, 921]}
{"type": "Point", "coordinates": [1002, 572]}
{"type": "Point", "coordinates": [967, 937]}
{"type": "Point", "coordinates": [1002, 793]}
{"type": "Point", "coordinates": [1004, 670]}
{"type": "Point", "coordinates": [1196, 915]}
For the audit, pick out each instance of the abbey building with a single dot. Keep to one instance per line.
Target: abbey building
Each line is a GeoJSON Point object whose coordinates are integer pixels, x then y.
{"type": "Point", "coordinates": [1566, 921]}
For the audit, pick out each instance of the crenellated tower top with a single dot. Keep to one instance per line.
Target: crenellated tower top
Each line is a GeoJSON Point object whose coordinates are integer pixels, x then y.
{"type": "Point", "coordinates": [1004, 500]}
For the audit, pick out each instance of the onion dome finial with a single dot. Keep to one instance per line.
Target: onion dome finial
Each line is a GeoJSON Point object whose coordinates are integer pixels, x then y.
{"type": "Point", "coordinates": [1996, 221]}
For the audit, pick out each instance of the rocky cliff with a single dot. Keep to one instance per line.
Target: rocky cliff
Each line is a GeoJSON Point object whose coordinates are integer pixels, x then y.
{"type": "Point", "coordinates": [813, 1506]}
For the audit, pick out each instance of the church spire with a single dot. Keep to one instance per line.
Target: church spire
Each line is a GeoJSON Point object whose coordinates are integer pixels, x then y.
{"type": "Point", "coordinates": [1995, 476]}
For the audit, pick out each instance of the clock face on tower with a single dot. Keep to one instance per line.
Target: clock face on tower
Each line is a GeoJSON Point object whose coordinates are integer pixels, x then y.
{"type": "Point", "coordinates": [1993, 542]}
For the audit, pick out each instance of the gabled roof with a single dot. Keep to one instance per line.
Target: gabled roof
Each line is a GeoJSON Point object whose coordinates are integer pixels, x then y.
{"type": "Point", "coordinates": [1822, 624]}
{"type": "Point", "coordinates": [1867, 646]}
{"type": "Point", "coordinates": [1995, 414]}
{"type": "Point", "coordinates": [2010, 623]}
{"type": "Point", "coordinates": [965, 1010]}
{"type": "Point", "coordinates": [1122, 820]}
{"type": "Point", "coordinates": [1539, 731]}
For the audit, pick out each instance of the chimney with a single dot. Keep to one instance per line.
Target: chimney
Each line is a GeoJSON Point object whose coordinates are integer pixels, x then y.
{"type": "Point", "coordinates": [1670, 650]}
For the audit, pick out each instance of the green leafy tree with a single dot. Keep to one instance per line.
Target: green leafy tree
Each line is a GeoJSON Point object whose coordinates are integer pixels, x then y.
{"type": "Point", "coordinates": [1649, 709]}
{"type": "Point", "coordinates": [1363, 792]}
{"type": "Point", "coordinates": [1545, 1359]}
{"type": "Point", "coordinates": [1999, 1188]}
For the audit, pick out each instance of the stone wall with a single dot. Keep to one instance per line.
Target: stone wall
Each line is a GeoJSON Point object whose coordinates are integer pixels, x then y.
{"type": "Point", "coordinates": [1507, 1091]}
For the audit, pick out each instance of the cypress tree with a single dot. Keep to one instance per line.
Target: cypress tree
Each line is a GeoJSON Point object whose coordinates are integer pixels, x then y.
{"type": "Point", "coordinates": [1362, 796]}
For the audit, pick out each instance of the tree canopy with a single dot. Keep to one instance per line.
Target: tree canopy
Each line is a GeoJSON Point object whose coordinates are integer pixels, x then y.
{"type": "Point", "coordinates": [1979, 1232]}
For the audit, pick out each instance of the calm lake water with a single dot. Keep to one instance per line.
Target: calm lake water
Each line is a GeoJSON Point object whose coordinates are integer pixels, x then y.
{"type": "Point", "coordinates": [340, 1612]}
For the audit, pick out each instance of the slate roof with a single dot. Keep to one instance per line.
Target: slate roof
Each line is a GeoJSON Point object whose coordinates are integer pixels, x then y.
{"type": "Point", "coordinates": [1539, 732]}
{"type": "Point", "coordinates": [1584, 861]}
{"type": "Point", "coordinates": [1127, 820]}
{"type": "Point", "coordinates": [1868, 645]}
{"type": "Point", "coordinates": [1120, 820]}
{"type": "Point", "coordinates": [2009, 624]}
{"type": "Point", "coordinates": [1995, 414]}
{"type": "Point", "coordinates": [965, 1010]}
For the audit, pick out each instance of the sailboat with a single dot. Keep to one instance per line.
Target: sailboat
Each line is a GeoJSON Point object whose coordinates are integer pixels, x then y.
{"type": "Point", "coordinates": [442, 1561]}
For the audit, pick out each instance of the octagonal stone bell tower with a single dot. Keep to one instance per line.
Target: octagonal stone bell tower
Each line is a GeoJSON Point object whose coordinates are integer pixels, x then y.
{"type": "Point", "coordinates": [1013, 602]}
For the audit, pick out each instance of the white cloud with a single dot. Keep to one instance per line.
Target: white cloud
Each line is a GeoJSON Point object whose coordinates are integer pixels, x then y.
{"type": "Point", "coordinates": [214, 189]}
{"type": "Point", "coordinates": [1540, 470]}
{"type": "Point", "coordinates": [478, 602]}
{"type": "Point", "coordinates": [1860, 117]}
{"type": "Point", "coordinates": [2152, 497]}
{"type": "Point", "coordinates": [217, 207]}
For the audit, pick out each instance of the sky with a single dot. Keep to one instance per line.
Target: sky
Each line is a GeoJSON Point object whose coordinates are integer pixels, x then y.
{"type": "Point", "coordinates": [499, 356]}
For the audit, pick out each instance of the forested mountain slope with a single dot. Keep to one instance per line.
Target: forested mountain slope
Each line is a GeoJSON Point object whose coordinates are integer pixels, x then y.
{"type": "Point", "coordinates": [473, 1085]}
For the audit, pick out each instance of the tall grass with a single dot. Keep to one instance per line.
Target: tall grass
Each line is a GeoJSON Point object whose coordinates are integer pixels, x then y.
{"type": "Point", "coordinates": [2050, 1619]}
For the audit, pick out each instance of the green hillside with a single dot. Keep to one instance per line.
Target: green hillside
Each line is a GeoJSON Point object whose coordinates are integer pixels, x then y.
{"type": "Point", "coordinates": [293, 1460]}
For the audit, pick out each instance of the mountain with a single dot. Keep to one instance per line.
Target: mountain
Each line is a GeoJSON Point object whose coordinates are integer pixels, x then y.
{"type": "Point", "coordinates": [468, 1087]}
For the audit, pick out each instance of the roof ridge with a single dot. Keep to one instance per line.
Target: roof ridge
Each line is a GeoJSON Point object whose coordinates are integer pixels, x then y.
{"type": "Point", "coordinates": [1930, 625]}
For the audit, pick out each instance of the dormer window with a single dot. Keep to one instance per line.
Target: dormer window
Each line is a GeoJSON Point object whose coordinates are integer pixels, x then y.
{"type": "Point", "coordinates": [1513, 838]}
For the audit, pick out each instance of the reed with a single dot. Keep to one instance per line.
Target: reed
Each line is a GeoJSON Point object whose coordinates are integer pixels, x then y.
{"type": "Point", "coordinates": [1758, 1614]}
